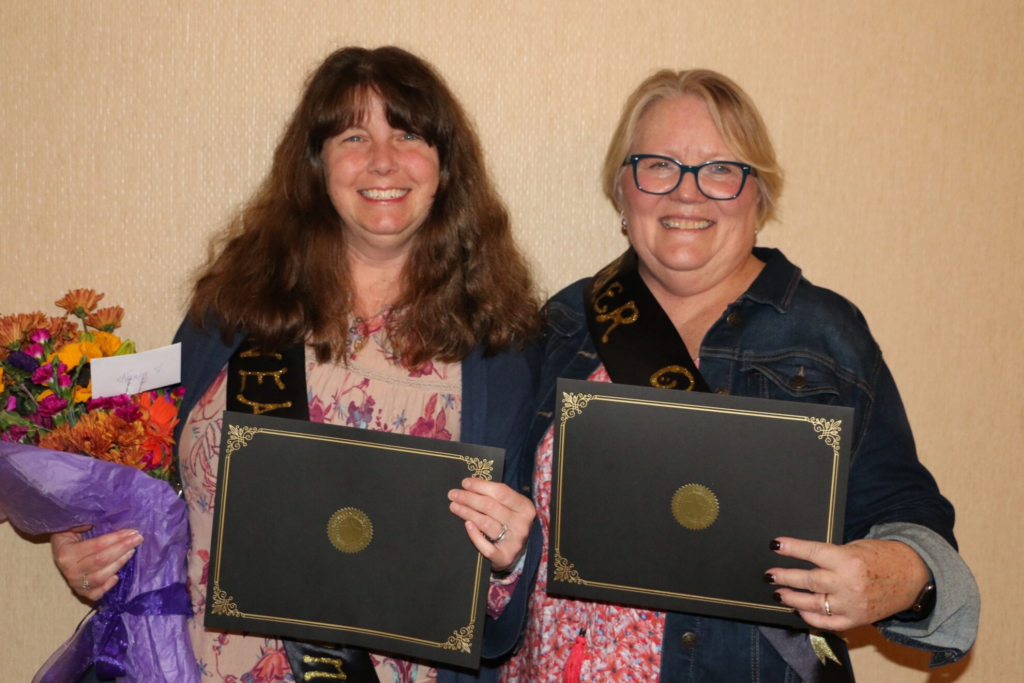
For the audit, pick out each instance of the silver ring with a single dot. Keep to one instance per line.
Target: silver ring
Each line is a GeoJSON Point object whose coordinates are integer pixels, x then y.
{"type": "Point", "coordinates": [828, 610]}
{"type": "Point", "coordinates": [497, 540]}
{"type": "Point", "coordinates": [85, 582]}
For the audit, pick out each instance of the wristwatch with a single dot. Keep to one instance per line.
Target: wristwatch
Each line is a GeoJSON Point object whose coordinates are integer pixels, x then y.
{"type": "Point", "coordinates": [925, 602]}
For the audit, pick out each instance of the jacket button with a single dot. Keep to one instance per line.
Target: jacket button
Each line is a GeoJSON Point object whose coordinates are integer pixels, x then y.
{"type": "Point", "coordinates": [689, 639]}
{"type": "Point", "coordinates": [526, 490]}
{"type": "Point", "coordinates": [734, 319]}
{"type": "Point", "coordinates": [722, 391]}
{"type": "Point", "coordinates": [798, 382]}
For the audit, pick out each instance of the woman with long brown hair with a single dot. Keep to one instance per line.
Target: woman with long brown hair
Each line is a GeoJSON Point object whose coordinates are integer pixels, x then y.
{"type": "Point", "coordinates": [377, 260]}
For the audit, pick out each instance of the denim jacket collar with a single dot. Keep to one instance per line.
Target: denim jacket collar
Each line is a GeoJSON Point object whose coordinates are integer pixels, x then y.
{"type": "Point", "coordinates": [777, 282]}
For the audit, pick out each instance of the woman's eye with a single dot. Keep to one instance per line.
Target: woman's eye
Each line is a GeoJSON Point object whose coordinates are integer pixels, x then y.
{"type": "Point", "coordinates": [411, 136]}
{"type": "Point", "coordinates": [721, 169]}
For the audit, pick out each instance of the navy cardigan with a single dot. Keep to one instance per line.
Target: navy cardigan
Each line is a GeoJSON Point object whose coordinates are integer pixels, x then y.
{"type": "Point", "coordinates": [497, 392]}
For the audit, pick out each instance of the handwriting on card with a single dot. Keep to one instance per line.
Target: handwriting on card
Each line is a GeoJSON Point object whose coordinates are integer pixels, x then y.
{"type": "Point", "coordinates": [136, 372]}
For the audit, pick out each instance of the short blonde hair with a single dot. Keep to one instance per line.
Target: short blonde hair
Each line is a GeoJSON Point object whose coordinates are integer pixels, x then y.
{"type": "Point", "coordinates": [735, 116]}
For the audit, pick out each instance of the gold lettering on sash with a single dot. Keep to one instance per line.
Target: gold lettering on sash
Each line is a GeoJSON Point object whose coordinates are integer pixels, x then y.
{"type": "Point", "coordinates": [260, 408]}
{"type": "Point", "coordinates": [276, 374]}
{"type": "Point", "coordinates": [330, 661]}
{"type": "Point", "coordinates": [256, 353]}
{"type": "Point", "coordinates": [662, 380]}
{"type": "Point", "coordinates": [626, 314]}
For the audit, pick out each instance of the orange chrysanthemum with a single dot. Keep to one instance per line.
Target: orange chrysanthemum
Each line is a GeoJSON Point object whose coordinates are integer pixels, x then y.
{"type": "Point", "coordinates": [106, 319]}
{"type": "Point", "coordinates": [80, 302]}
{"type": "Point", "coordinates": [62, 332]}
{"type": "Point", "coordinates": [16, 328]}
{"type": "Point", "coordinates": [108, 437]}
{"type": "Point", "coordinates": [60, 439]}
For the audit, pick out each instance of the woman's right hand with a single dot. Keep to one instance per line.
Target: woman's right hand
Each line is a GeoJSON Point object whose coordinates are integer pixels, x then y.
{"type": "Point", "coordinates": [90, 566]}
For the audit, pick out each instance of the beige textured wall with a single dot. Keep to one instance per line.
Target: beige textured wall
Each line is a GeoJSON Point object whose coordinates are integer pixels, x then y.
{"type": "Point", "coordinates": [130, 130]}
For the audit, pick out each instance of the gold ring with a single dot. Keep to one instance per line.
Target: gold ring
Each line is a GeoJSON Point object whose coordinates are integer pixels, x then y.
{"type": "Point", "coordinates": [828, 610]}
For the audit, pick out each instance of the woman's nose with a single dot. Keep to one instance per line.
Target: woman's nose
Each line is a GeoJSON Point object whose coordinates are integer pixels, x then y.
{"type": "Point", "coordinates": [383, 158]}
{"type": "Point", "coordinates": [687, 190]}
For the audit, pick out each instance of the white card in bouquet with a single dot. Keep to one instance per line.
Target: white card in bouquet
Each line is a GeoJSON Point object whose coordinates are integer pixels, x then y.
{"type": "Point", "coordinates": [136, 372]}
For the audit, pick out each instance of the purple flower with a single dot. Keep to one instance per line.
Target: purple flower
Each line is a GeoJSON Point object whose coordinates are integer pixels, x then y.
{"type": "Point", "coordinates": [40, 336]}
{"type": "Point", "coordinates": [15, 433]}
{"type": "Point", "coordinates": [34, 350]}
{"type": "Point", "coordinates": [51, 405]}
{"type": "Point", "coordinates": [179, 391]}
{"type": "Point", "coordinates": [12, 403]}
{"type": "Point", "coordinates": [44, 374]}
{"type": "Point", "coordinates": [63, 378]}
{"type": "Point", "coordinates": [128, 413]}
{"type": "Point", "coordinates": [23, 361]}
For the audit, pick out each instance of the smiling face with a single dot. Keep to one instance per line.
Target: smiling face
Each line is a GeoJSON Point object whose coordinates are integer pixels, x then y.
{"type": "Point", "coordinates": [686, 242]}
{"type": "Point", "coordinates": [382, 182]}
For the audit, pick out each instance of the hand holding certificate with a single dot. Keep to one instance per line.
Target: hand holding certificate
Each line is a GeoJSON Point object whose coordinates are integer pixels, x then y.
{"type": "Point", "coordinates": [669, 500]}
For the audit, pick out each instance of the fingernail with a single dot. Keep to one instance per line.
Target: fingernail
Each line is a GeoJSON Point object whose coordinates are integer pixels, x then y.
{"type": "Point", "coordinates": [777, 596]}
{"type": "Point", "coordinates": [466, 482]}
{"type": "Point", "coordinates": [138, 539]}
{"type": "Point", "coordinates": [452, 494]}
{"type": "Point", "coordinates": [128, 555]}
{"type": "Point", "coordinates": [774, 545]}
{"type": "Point", "coordinates": [769, 577]}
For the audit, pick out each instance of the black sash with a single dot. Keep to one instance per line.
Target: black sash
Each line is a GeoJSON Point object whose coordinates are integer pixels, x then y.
{"type": "Point", "coordinates": [639, 345]}
{"type": "Point", "coordinates": [263, 383]}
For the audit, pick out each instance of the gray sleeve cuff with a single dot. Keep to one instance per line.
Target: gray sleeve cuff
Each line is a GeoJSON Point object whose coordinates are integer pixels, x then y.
{"type": "Point", "coordinates": [949, 632]}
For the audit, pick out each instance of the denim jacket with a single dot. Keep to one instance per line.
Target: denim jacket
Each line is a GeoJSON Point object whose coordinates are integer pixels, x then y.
{"type": "Point", "coordinates": [781, 329]}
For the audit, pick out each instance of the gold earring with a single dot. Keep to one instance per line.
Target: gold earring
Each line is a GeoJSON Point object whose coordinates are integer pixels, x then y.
{"type": "Point", "coordinates": [625, 225]}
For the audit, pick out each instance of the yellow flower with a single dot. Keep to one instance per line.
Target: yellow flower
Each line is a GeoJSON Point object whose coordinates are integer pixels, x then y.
{"type": "Point", "coordinates": [44, 394]}
{"type": "Point", "coordinates": [1, 378]}
{"type": "Point", "coordinates": [72, 354]}
{"type": "Point", "coordinates": [107, 342]}
{"type": "Point", "coordinates": [83, 394]}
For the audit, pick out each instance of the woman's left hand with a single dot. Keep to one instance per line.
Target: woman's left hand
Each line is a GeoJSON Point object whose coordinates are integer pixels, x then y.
{"type": "Point", "coordinates": [489, 508]}
{"type": "Point", "coordinates": [863, 581]}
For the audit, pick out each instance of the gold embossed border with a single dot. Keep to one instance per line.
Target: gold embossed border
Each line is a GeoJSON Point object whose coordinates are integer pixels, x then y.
{"type": "Point", "coordinates": [572, 405]}
{"type": "Point", "coordinates": [461, 639]}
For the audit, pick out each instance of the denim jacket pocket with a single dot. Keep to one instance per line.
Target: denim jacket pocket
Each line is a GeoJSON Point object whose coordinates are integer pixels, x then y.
{"type": "Point", "coordinates": [792, 377]}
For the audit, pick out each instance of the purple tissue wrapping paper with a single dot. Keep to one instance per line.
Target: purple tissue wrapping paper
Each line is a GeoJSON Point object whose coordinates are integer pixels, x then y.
{"type": "Point", "coordinates": [44, 491]}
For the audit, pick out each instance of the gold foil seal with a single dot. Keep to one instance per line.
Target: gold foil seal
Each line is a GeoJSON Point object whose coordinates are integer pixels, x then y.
{"type": "Point", "coordinates": [695, 507]}
{"type": "Point", "coordinates": [350, 530]}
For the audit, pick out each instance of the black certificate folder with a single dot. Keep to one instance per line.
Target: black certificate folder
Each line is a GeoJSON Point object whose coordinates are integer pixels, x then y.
{"type": "Point", "coordinates": [344, 535]}
{"type": "Point", "coordinates": [669, 500]}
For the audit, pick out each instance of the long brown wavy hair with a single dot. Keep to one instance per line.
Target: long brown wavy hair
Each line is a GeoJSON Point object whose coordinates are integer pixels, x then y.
{"type": "Point", "coordinates": [279, 272]}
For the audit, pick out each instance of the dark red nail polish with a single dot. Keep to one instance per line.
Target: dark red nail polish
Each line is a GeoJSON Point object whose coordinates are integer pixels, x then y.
{"type": "Point", "coordinates": [774, 545]}
{"type": "Point", "coordinates": [769, 577]}
{"type": "Point", "coordinates": [776, 596]}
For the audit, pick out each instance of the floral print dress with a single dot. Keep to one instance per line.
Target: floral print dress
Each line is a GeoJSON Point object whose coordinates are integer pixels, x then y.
{"type": "Point", "coordinates": [622, 643]}
{"type": "Point", "coordinates": [375, 391]}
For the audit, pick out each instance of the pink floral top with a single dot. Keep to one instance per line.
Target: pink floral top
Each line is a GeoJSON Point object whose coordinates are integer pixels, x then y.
{"type": "Point", "coordinates": [622, 643]}
{"type": "Point", "coordinates": [373, 392]}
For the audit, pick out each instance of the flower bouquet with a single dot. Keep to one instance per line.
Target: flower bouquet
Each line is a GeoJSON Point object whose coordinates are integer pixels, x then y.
{"type": "Point", "coordinates": [69, 459]}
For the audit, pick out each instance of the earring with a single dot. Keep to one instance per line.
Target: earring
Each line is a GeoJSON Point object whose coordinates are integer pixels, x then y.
{"type": "Point", "coordinates": [625, 225]}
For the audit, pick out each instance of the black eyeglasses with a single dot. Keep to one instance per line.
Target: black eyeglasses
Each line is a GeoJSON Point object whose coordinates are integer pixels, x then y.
{"type": "Point", "coordinates": [718, 180]}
